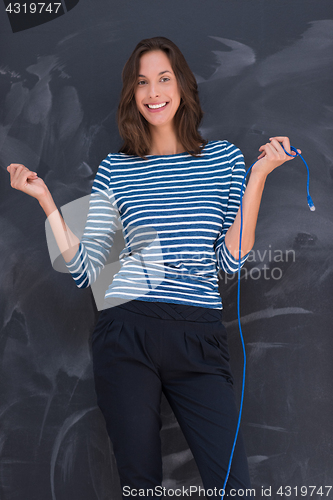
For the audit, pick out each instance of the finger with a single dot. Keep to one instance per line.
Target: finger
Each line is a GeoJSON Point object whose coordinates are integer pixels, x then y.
{"type": "Point", "coordinates": [277, 145]}
{"type": "Point", "coordinates": [20, 176]}
{"type": "Point", "coordinates": [269, 150]}
{"type": "Point", "coordinates": [32, 175]}
{"type": "Point", "coordinates": [14, 169]}
{"type": "Point", "coordinates": [285, 141]}
{"type": "Point", "coordinates": [14, 166]}
{"type": "Point", "coordinates": [20, 173]}
{"type": "Point", "coordinates": [263, 150]}
{"type": "Point", "coordinates": [265, 146]}
{"type": "Point", "coordinates": [284, 150]}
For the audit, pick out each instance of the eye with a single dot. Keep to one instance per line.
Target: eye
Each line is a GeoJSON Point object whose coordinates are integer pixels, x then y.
{"type": "Point", "coordinates": [165, 78]}
{"type": "Point", "coordinates": [140, 82]}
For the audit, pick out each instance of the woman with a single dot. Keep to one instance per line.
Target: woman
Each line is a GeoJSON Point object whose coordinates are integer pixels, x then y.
{"type": "Point", "coordinates": [177, 197]}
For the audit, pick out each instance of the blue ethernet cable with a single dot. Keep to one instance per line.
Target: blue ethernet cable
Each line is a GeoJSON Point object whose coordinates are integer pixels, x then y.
{"type": "Point", "coordinates": [312, 208]}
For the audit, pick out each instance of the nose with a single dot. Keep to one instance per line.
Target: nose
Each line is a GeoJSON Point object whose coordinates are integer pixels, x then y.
{"type": "Point", "coordinates": [153, 90]}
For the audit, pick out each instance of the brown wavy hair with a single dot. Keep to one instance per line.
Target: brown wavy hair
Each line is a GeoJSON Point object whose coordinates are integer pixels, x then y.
{"type": "Point", "coordinates": [134, 128]}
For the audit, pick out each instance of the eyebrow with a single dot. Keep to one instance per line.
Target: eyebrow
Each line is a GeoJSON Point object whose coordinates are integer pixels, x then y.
{"type": "Point", "coordinates": [161, 73]}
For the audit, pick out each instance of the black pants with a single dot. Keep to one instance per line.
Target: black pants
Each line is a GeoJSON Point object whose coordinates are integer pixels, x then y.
{"type": "Point", "coordinates": [143, 348]}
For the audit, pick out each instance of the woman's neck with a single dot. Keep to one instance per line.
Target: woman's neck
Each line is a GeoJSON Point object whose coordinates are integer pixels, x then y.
{"type": "Point", "coordinates": [164, 142]}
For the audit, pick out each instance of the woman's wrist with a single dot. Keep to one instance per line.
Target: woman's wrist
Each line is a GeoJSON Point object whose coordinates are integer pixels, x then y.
{"type": "Point", "coordinates": [47, 203]}
{"type": "Point", "coordinates": [258, 176]}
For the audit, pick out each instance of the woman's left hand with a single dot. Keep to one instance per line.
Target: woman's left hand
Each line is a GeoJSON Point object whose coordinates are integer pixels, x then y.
{"type": "Point", "coordinates": [272, 155]}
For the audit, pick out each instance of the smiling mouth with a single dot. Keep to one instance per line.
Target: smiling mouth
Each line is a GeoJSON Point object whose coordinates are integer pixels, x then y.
{"type": "Point", "coordinates": [156, 106]}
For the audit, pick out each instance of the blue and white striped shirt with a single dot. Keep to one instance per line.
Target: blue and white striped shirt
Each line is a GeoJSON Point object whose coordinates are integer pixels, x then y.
{"type": "Point", "coordinates": [174, 212]}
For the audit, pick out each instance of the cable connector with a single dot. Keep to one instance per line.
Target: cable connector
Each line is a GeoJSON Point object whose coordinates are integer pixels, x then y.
{"type": "Point", "coordinates": [310, 203]}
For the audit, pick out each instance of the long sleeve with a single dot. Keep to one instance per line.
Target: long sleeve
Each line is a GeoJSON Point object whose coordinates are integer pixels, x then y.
{"type": "Point", "coordinates": [225, 259]}
{"type": "Point", "coordinates": [101, 226]}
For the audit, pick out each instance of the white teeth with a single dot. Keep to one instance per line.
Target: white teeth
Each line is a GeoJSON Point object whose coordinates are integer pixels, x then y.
{"type": "Point", "coordinates": [156, 106]}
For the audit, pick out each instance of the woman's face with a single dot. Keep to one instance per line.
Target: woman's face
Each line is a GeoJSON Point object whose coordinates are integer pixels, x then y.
{"type": "Point", "coordinates": [157, 93]}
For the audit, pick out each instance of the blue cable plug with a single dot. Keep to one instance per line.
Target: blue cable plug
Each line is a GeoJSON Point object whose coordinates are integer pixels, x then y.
{"type": "Point", "coordinates": [310, 202]}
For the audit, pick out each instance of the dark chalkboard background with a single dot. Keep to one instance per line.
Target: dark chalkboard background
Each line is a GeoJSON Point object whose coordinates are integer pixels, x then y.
{"type": "Point", "coordinates": [264, 68]}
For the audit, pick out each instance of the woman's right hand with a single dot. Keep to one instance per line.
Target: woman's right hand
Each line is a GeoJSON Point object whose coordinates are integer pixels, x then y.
{"type": "Point", "coordinates": [25, 180]}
